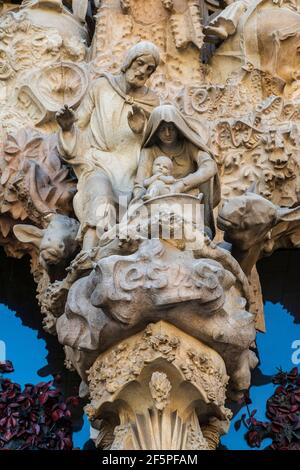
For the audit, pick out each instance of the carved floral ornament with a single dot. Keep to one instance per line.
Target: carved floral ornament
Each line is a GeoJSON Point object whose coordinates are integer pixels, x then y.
{"type": "Point", "coordinates": [27, 44]}
{"type": "Point", "coordinates": [80, 125]}
{"type": "Point", "coordinates": [41, 94]}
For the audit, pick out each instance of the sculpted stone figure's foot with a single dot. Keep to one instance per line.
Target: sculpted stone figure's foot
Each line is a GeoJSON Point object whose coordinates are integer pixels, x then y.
{"type": "Point", "coordinates": [219, 31]}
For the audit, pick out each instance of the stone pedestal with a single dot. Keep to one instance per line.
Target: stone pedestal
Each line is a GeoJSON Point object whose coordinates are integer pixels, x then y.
{"type": "Point", "coordinates": [160, 389]}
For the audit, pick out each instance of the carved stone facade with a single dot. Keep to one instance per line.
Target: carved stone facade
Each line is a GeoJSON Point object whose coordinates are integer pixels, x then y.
{"type": "Point", "coordinates": [149, 157]}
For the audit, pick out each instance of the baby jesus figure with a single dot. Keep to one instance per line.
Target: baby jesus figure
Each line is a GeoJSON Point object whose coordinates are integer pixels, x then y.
{"type": "Point", "coordinates": [161, 180]}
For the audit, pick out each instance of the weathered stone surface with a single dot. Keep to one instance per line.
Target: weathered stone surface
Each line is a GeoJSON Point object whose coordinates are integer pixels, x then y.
{"type": "Point", "coordinates": [170, 103]}
{"type": "Point", "coordinates": [167, 389]}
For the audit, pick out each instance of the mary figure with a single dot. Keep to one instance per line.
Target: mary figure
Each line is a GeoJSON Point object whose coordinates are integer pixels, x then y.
{"type": "Point", "coordinates": [195, 171]}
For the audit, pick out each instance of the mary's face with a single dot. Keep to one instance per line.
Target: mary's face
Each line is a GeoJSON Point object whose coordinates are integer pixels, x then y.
{"type": "Point", "coordinates": [167, 133]}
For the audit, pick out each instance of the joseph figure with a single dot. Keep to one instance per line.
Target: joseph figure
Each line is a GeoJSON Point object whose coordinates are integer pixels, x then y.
{"type": "Point", "coordinates": [102, 141]}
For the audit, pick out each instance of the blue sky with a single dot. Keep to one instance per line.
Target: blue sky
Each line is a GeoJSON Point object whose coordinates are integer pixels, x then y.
{"type": "Point", "coordinates": [23, 348]}
{"type": "Point", "coordinates": [28, 354]}
{"type": "Point", "coordinates": [275, 350]}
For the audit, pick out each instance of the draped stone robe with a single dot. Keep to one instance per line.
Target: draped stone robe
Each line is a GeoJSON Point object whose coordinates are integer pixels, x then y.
{"type": "Point", "coordinates": [190, 157]}
{"type": "Point", "coordinates": [101, 144]}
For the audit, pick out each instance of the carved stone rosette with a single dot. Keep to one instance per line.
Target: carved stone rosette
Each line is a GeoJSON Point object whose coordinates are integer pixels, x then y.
{"type": "Point", "coordinates": [160, 389]}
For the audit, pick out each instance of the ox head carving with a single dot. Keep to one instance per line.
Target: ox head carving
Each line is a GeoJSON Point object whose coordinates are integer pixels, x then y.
{"type": "Point", "coordinates": [56, 243]}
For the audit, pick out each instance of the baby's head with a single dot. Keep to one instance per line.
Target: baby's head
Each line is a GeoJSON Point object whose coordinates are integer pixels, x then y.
{"type": "Point", "coordinates": [163, 165]}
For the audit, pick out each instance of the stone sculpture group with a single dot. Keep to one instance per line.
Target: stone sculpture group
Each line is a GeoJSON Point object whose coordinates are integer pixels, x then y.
{"type": "Point", "coordinates": [110, 148]}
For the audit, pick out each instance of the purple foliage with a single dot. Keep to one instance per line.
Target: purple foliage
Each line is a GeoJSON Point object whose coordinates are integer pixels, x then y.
{"type": "Point", "coordinates": [36, 418]}
{"type": "Point", "coordinates": [283, 413]}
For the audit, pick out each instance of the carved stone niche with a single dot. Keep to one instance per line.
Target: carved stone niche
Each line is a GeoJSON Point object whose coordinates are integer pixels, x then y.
{"type": "Point", "coordinates": [41, 93]}
{"type": "Point", "coordinates": [160, 389]}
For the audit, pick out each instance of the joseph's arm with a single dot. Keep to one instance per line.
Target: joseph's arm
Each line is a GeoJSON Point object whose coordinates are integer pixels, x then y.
{"type": "Point", "coordinates": [71, 141]}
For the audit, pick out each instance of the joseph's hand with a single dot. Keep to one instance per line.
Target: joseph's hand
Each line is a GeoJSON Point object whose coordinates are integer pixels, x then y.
{"type": "Point", "coordinates": [137, 119]}
{"type": "Point", "coordinates": [66, 118]}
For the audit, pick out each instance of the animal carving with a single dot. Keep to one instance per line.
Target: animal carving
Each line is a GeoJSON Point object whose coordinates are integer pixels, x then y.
{"type": "Point", "coordinates": [256, 227]}
{"type": "Point", "coordinates": [56, 243]}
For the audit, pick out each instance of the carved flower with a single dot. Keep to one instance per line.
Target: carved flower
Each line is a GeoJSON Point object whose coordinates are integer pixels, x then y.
{"type": "Point", "coordinates": [164, 345]}
{"type": "Point", "coordinates": [160, 388]}
{"type": "Point", "coordinates": [279, 160]}
{"type": "Point", "coordinates": [268, 175]}
{"type": "Point", "coordinates": [112, 386]}
{"type": "Point", "coordinates": [6, 70]}
{"type": "Point", "coordinates": [53, 43]}
{"type": "Point", "coordinates": [250, 173]}
{"type": "Point", "coordinates": [75, 48]}
{"type": "Point", "coordinates": [188, 371]}
{"type": "Point", "coordinates": [137, 366]}
{"type": "Point", "coordinates": [231, 162]}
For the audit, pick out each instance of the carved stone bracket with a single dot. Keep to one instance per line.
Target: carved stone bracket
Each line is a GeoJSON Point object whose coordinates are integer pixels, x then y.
{"type": "Point", "coordinates": [159, 389]}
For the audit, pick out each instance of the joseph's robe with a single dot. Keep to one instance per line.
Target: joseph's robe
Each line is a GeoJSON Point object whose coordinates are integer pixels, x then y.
{"type": "Point", "coordinates": [102, 144]}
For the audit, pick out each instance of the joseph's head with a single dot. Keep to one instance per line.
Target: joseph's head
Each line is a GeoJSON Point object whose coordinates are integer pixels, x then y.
{"type": "Point", "coordinates": [140, 63]}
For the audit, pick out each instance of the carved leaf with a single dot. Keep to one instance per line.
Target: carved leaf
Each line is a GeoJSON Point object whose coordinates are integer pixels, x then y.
{"type": "Point", "coordinates": [5, 226]}
{"type": "Point", "coordinates": [11, 145]}
{"type": "Point", "coordinates": [32, 148]}
{"type": "Point", "coordinates": [18, 212]}
{"type": "Point", "coordinates": [5, 175]}
{"type": "Point", "coordinates": [251, 173]}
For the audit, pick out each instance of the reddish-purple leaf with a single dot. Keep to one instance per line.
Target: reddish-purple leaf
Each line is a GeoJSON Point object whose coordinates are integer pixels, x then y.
{"type": "Point", "coordinates": [43, 397]}
{"type": "Point", "coordinates": [237, 424]}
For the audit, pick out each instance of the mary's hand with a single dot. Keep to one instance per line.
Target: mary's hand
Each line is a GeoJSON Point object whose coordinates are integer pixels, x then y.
{"type": "Point", "coordinates": [138, 194]}
{"type": "Point", "coordinates": [177, 187]}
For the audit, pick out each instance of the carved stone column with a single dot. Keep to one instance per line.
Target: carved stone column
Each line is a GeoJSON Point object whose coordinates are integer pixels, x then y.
{"type": "Point", "coordinates": [160, 389]}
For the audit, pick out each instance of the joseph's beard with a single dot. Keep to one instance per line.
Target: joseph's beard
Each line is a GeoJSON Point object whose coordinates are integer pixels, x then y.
{"type": "Point", "coordinates": [137, 81]}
